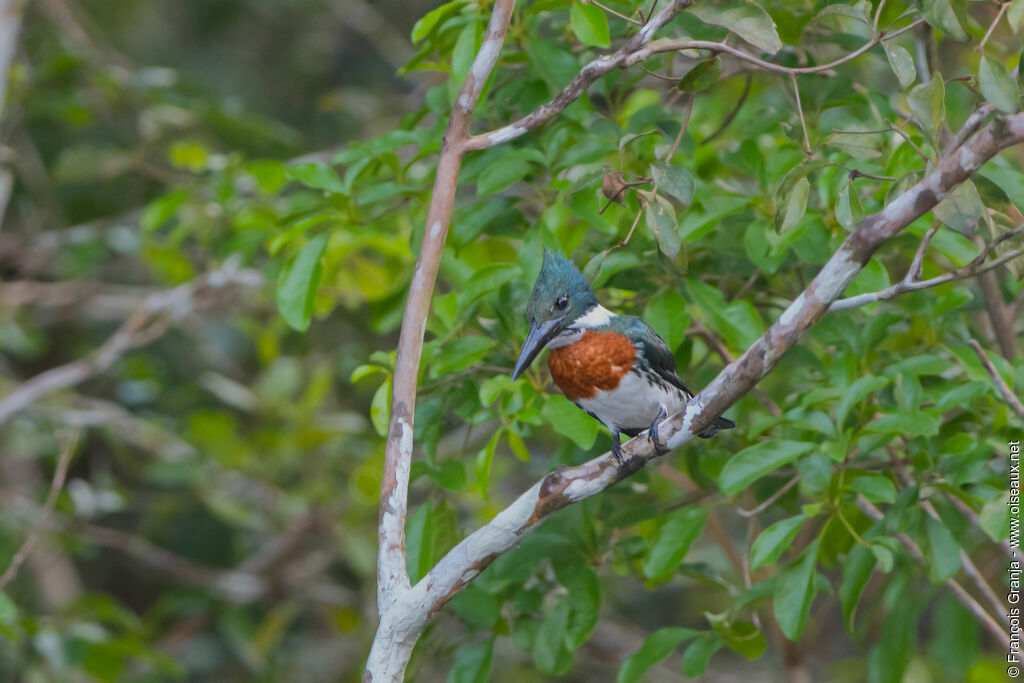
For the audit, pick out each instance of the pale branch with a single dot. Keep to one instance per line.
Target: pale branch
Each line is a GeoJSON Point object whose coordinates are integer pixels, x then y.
{"type": "Point", "coordinates": [627, 55]}
{"type": "Point", "coordinates": [391, 650]}
{"type": "Point", "coordinates": [972, 571]}
{"type": "Point", "coordinates": [997, 379]}
{"type": "Point", "coordinates": [679, 44]}
{"type": "Point", "coordinates": [59, 475]}
{"type": "Point", "coordinates": [409, 614]}
{"type": "Point", "coordinates": [968, 512]}
{"type": "Point", "coordinates": [638, 48]}
{"type": "Point", "coordinates": [911, 283]}
{"type": "Point", "coordinates": [157, 313]}
{"type": "Point", "coordinates": [961, 594]}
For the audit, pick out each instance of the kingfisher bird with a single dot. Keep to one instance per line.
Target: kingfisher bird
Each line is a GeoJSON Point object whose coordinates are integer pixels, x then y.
{"type": "Point", "coordinates": [614, 367]}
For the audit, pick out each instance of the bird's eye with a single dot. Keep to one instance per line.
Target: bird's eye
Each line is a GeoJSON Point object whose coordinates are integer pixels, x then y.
{"type": "Point", "coordinates": [562, 302]}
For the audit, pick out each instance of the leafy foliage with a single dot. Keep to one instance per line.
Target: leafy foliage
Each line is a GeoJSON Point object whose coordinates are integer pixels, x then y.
{"type": "Point", "coordinates": [265, 426]}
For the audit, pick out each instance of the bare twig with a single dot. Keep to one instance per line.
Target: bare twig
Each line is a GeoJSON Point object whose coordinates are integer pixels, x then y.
{"type": "Point", "coordinates": [631, 52]}
{"type": "Point", "coordinates": [1008, 395]}
{"type": "Point", "coordinates": [965, 598]}
{"type": "Point", "coordinates": [771, 499]}
{"type": "Point", "coordinates": [609, 10]}
{"type": "Point", "coordinates": [980, 47]}
{"type": "Point", "coordinates": [59, 474]}
{"type": "Point", "coordinates": [910, 283]}
{"type": "Point", "coordinates": [733, 112]}
{"type": "Point", "coordinates": [800, 113]}
{"type": "Point", "coordinates": [150, 321]}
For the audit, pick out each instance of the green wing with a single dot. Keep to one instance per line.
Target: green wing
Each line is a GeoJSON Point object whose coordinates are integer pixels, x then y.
{"type": "Point", "coordinates": [655, 350]}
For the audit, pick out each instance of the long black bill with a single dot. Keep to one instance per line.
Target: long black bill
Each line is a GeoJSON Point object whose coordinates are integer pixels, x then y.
{"type": "Point", "coordinates": [535, 342]}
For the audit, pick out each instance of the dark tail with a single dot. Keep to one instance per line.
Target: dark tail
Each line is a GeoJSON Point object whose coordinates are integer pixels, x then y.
{"type": "Point", "coordinates": [718, 425]}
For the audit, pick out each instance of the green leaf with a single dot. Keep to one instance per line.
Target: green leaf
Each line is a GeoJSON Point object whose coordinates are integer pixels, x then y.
{"type": "Point", "coordinates": [317, 175]}
{"type": "Point", "coordinates": [949, 16]}
{"type": "Point", "coordinates": [702, 76]}
{"type": "Point", "coordinates": [461, 354]}
{"type": "Point", "coordinates": [518, 446]}
{"type": "Point", "coordinates": [661, 221]}
{"type": "Point", "coordinates": [998, 86]}
{"type": "Point", "coordinates": [590, 24]}
{"type": "Point", "coordinates": [877, 488]}
{"type": "Point", "coordinates": [673, 540]}
{"type": "Point", "coordinates": [747, 20]}
{"type": "Point", "coordinates": [857, 569]}
{"type": "Point", "coordinates": [656, 647]}
{"type": "Point", "coordinates": [380, 408]}
{"type": "Point", "coordinates": [666, 312]}
{"type": "Point", "coordinates": [908, 424]}
{"type": "Point", "coordinates": [848, 209]}
{"type": "Point", "coordinates": [796, 205]}
{"type": "Point", "coordinates": [794, 592]}
{"type": "Point", "coordinates": [487, 280]}
{"type": "Point", "coordinates": [994, 518]}
{"type": "Point", "coordinates": [927, 102]}
{"type": "Point", "coordinates": [698, 654]}
{"type": "Point", "coordinates": [901, 62]}
{"type": "Point", "coordinates": [162, 209]}
{"type": "Point", "coordinates": [499, 176]}
{"type": "Point", "coordinates": [569, 421]}
{"type": "Point", "coordinates": [483, 462]}
{"type": "Point", "coordinates": [942, 551]}
{"type": "Point", "coordinates": [297, 284]}
{"type": "Point", "coordinates": [1015, 15]}
{"type": "Point", "coordinates": [857, 392]}
{"type": "Point", "coordinates": [961, 209]}
{"type": "Point", "coordinates": [674, 180]}
{"type": "Point", "coordinates": [434, 18]}
{"type": "Point", "coordinates": [775, 540]}
{"type": "Point", "coordinates": [472, 663]}
{"type": "Point", "coordinates": [859, 145]}
{"type": "Point", "coordinates": [549, 648]}
{"type": "Point", "coordinates": [753, 462]}
{"type": "Point", "coordinates": [419, 542]}
{"type": "Point", "coordinates": [745, 638]}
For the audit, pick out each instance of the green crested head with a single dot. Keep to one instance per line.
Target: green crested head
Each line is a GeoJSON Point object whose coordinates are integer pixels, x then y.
{"type": "Point", "coordinates": [560, 292]}
{"type": "Point", "coordinates": [560, 296]}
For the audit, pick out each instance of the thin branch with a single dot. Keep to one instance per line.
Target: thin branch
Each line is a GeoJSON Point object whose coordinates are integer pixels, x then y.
{"type": "Point", "coordinates": [968, 512]}
{"type": "Point", "coordinates": [999, 15]}
{"type": "Point", "coordinates": [965, 598]}
{"type": "Point", "coordinates": [997, 379]}
{"type": "Point", "coordinates": [682, 130]}
{"type": "Point", "coordinates": [679, 44]}
{"type": "Point", "coordinates": [59, 474]}
{"type": "Point", "coordinates": [627, 55]}
{"type": "Point", "coordinates": [910, 284]}
{"type": "Point", "coordinates": [903, 134]}
{"type": "Point", "coordinates": [609, 10]}
{"type": "Point", "coordinates": [734, 111]}
{"type": "Point", "coordinates": [771, 499]}
{"type": "Point", "coordinates": [157, 313]}
{"type": "Point", "coordinates": [800, 112]}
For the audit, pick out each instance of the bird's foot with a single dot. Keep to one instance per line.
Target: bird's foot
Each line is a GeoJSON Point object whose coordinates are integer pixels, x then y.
{"type": "Point", "coordinates": [652, 431]}
{"type": "Point", "coordinates": [617, 450]}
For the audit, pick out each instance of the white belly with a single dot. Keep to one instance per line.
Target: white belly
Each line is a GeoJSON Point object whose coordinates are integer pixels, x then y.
{"type": "Point", "coordinates": [633, 404]}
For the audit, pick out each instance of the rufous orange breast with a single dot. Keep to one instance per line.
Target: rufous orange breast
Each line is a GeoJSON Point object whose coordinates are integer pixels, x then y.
{"type": "Point", "coordinates": [595, 362]}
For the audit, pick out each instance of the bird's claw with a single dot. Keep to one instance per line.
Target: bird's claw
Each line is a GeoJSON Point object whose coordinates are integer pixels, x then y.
{"type": "Point", "coordinates": [652, 432]}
